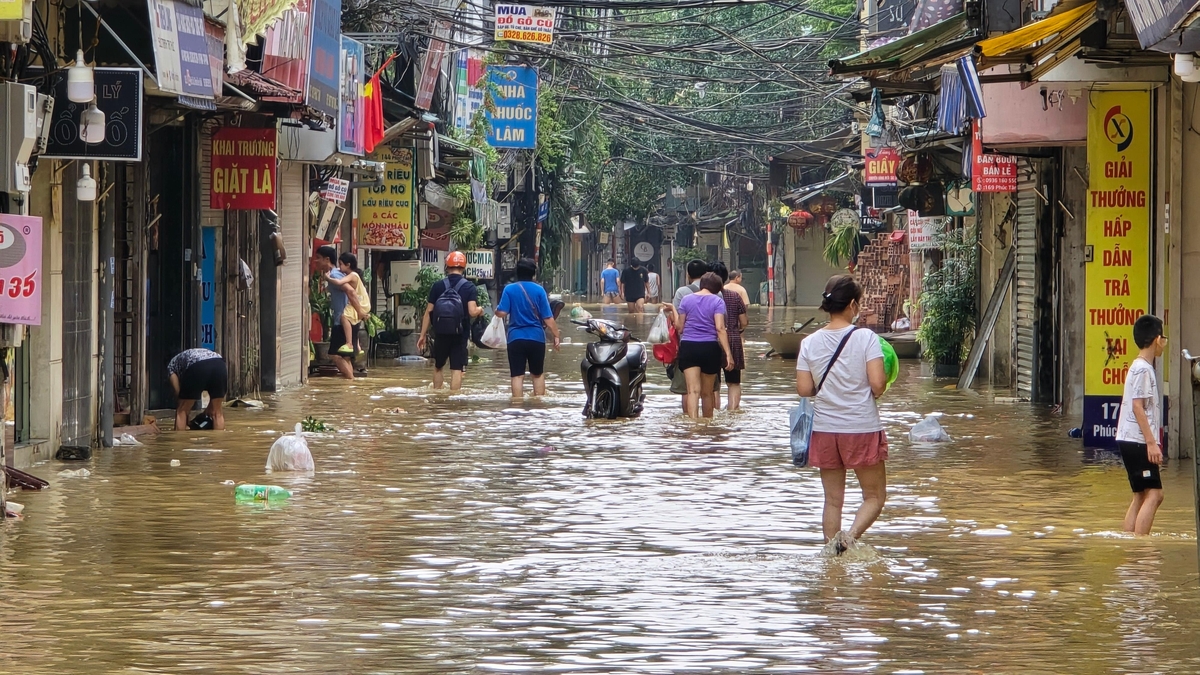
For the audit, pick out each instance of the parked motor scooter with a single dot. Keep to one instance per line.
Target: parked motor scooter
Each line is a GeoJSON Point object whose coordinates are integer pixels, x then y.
{"type": "Point", "coordinates": [614, 370]}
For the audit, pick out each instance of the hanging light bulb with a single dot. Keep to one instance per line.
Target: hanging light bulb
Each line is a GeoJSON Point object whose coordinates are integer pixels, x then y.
{"type": "Point", "coordinates": [1185, 64]}
{"type": "Point", "coordinates": [80, 86]}
{"type": "Point", "coordinates": [91, 125]}
{"type": "Point", "coordinates": [85, 187]}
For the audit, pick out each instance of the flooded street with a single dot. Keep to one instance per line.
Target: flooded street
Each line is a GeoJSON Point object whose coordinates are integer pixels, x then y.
{"type": "Point", "coordinates": [443, 539]}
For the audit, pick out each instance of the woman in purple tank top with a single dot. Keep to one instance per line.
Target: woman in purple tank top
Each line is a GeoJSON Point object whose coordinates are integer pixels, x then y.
{"type": "Point", "coordinates": [703, 344]}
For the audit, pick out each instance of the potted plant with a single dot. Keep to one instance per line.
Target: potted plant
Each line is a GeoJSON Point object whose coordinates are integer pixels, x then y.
{"type": "Point", "coordinates": [318, 304]}
{"type": "Point", "coordinates": [948, 304]}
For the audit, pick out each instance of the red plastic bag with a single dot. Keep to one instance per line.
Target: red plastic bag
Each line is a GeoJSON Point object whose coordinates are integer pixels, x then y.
{"type": "Point", "coordinates": [667, 353]}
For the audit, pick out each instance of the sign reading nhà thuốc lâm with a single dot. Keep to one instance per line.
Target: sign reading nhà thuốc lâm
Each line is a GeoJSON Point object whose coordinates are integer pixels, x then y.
{"type": "Point", "coordinates": [1117, 286]}
{"type": "Point", "coordinates": [513, 121]}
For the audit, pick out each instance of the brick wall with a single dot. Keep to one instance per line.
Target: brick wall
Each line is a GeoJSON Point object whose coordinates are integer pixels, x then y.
{"type": "Point", "coordinates": [883, 271]}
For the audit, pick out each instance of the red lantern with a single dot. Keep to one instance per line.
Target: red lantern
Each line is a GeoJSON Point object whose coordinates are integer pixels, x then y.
{"type": "Point", "coordinates": [800, 221]}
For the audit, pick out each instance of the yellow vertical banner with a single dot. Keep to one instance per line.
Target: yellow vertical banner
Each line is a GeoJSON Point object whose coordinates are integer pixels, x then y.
{"type": "Point", "coordinates": [1118, 278]}
{"type": "Point", "coordinates": [385, 212]}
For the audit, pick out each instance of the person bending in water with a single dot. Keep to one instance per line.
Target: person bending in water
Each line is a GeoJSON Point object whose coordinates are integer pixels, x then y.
{"type": "Point", "coordinates": [1138, 426]}
{"type": "Point", "coordinates": [841, 367]}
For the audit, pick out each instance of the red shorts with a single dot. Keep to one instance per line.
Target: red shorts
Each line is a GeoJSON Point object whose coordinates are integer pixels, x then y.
{"type": "Point", "coordinates": [847, 451]}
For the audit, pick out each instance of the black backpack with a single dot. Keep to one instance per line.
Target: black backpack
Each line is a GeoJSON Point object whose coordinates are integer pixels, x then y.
{"type": "Point", "coordinates": [449, 311]}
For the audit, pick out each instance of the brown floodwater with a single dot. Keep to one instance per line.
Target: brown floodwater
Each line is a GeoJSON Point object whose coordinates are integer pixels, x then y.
{"type": "Point", "coordinates": [442, 539]}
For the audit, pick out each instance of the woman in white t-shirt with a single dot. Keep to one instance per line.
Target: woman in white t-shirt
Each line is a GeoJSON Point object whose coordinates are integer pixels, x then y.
{"type": "Point", "coordinates": [847, 433]}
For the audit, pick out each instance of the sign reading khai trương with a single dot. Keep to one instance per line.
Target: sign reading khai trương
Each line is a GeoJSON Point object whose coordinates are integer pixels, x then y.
{"type": "Point", "coordinates": [243, 169]}
{"type": "Point", "coordinates": [513, 122]}
{"type": "Point", "coordinates": [523, 23]}
{"type": "Point", "coordinates": [1118, 280]}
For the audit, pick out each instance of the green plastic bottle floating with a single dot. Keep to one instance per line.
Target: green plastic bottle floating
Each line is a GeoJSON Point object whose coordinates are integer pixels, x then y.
{"type": "Point", "coordinates": [260, 493]}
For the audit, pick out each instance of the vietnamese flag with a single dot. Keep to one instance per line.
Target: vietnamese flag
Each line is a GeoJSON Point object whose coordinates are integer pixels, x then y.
{"type": "Point", "coordinates": [372, 114]}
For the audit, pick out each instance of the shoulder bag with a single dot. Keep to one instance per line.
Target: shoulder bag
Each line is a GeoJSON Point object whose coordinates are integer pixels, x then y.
{"type": "Point", "coordinates": [801, 417]}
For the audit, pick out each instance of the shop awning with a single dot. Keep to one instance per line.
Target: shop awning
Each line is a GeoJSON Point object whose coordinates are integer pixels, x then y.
{"type": "Point", "coordinates": [949, 36]}
{"type": "Point", "coordinates": [1068, 24]}
{"type": "Point", "coordinates": [1043, 44]}
{"type": "Point", "coordinates": [1160, 24]}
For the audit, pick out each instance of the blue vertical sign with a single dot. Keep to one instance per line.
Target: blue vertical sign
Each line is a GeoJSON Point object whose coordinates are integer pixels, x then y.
{"type": "Point", "coordinates": [513, 123]}
{"type": "Point", "coordinates": [350, 132]}
{"type": "Point", "coordinates": [208, 296]}
{"type": "Point", "coordinates": [324, 67]}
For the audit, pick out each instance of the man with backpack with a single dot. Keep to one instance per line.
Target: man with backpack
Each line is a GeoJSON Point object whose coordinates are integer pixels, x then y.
{"type": "Point", "coordinates": [451, 307]}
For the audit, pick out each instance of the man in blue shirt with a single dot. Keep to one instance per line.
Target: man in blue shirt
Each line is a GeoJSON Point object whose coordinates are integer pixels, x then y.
{"type": "Point", "coordinates": [608, 283]}
{"type": "Point", "coordinates": [527, 307]}
{"type": "Point", "coordinates": [327, 264]}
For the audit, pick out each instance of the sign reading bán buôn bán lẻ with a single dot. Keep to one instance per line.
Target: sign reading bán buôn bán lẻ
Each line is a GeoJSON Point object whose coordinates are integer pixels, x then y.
{"type": "Point", "coordinates": [1118, 280]}
{"type": "Point", "coordinates": [385, 212]}
{"type": "Point", "coordinates": [243, 169]}
{"type": "Point", "coordinates": [990, 172]}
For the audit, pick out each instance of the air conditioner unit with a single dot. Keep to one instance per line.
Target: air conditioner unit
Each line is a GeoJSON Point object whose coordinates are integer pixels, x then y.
{"type": "Point", "coordinates": [18, 31]}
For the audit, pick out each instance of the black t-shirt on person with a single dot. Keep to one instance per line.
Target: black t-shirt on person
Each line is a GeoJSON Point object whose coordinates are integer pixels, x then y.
{"type": "Point", "coordinates": [467, 291]}
{"type": "Point", "coordinates": [634, 279]}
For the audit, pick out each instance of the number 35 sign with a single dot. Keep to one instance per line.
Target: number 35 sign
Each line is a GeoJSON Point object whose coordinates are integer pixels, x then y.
{"type": "Point", "coordinates": [20, 269]}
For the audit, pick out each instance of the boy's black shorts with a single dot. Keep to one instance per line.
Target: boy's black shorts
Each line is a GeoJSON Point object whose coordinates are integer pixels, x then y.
{"type": "Point", "coordinates": [1143, 475]}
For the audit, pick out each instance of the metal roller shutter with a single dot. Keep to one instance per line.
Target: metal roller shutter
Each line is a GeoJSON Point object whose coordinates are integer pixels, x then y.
{"type": "Point", "coordinates": [293, 296]}
{"type": "Point", "coordinates": [1025, 294]}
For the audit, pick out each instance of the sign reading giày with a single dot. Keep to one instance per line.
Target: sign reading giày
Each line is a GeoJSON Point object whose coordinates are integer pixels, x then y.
{"type": "Point", "coordinates": [385, 212]}
{"type": "Point", "coordinates": [879, 166]}
{"type": "Point", "coordinates": [523, 23]}
{"type": "Point", "coordinates": [20, 269]}
{"type": "Point", "coordinates": [243, 169]}
{"type": "Point", "coordinates": [1118, 280]}
{"type": "Point", "coordinates": [513, 123]}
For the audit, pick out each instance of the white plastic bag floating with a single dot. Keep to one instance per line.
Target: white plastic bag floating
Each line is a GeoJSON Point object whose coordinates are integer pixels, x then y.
{"type": "Point", "coordinates": [290, 453]}
{"type": "Point", "coordinates": [659, 333]}
{"type": "Point", "coordinates": [928, 430]}
{"type": "Point", "coordinates": [494, 337]}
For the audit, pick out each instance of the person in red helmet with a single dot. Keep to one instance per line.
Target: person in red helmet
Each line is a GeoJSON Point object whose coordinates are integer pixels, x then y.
{"type": "Point", "coordinates": [452, 304]}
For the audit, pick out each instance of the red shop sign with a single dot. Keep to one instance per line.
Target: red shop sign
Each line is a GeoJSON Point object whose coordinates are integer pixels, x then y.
{"type": "Point", "coordinates": [879, 166]}
{"type": "Point", "coordinates": [243, 169]}
{"type": "Point", "coordinates": [990, 172]}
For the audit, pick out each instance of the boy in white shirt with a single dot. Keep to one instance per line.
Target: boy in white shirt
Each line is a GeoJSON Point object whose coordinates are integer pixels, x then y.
{"type": "Point", "coordinates": [1138, 426]}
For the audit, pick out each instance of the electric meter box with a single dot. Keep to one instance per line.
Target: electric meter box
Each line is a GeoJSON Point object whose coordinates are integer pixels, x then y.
{"type": "Point", "coordinates": [20, 103]}
{"type": "Point", "coordinates": [403, 275]}
{"type": "Point", "coordinates": [20, 30]}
